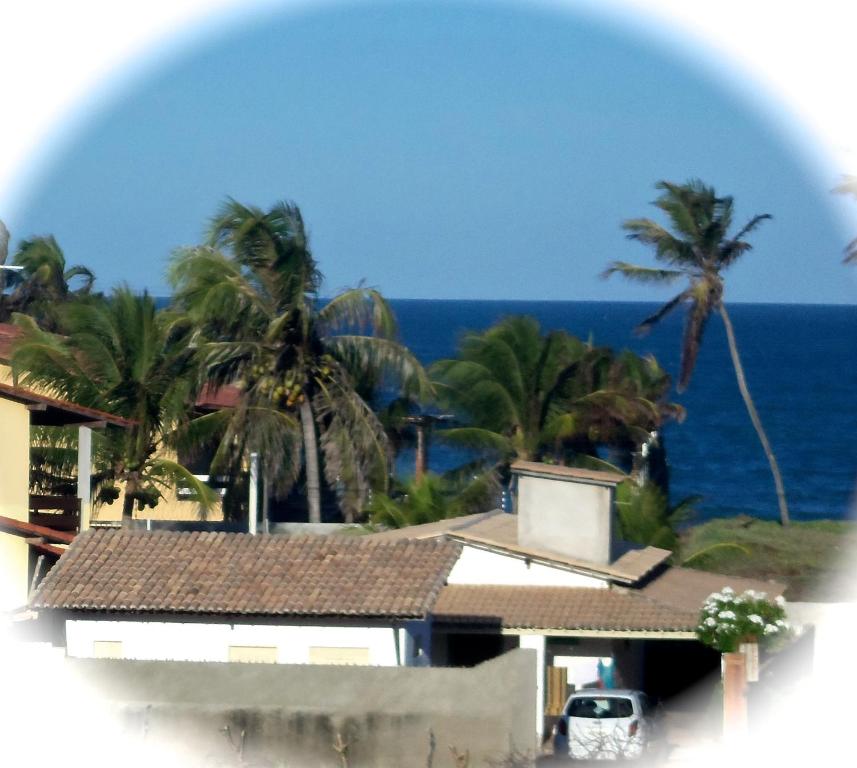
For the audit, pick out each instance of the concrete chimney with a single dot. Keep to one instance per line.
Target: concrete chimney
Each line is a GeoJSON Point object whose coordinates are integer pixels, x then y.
{"type": "Point", "coordinates": [566, 510]}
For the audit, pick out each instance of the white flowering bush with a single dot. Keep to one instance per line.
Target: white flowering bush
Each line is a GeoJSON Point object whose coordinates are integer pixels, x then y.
{"type": "Point", "coordinates": [728, 619]}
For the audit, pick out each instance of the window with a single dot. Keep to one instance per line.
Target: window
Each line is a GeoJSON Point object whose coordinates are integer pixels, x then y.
{"type": "Point", "coordinates": [107, 649]}
{"type": "Point", "coordinates": [253, 654]}
{"type": "Point", "coordinates": [600, 707]}
{"type": "Point", "coordinates": [325, 655]}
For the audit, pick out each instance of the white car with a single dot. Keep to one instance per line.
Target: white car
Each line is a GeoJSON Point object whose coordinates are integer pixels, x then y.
{"type": "Point", "coordinates": [598, 724]}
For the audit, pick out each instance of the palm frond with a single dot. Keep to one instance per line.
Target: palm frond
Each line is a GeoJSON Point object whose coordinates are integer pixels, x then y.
{"type": "Point", "coordinates": [646, 325]}
{"type": "Point", "coordinates": [170, 474]}
{"type": "Point", "coordinates": [642, 274]}
{"type": "Point", "coordinates": [478, 439]}
{"type": "Point", "coordinates": [359, 309]}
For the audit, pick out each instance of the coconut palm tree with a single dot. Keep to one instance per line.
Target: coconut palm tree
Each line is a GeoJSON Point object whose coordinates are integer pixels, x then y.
{"type": "Point", "coordinates": [698, 250]}
{"type": "Point", "coordinates": [45, 282]}
{"type": "Point", "coordinates": [122, 356]}
{"type": "Point", "coordinates": [252, 295]}
{"type": "Point", "coordinates": [529, 396]}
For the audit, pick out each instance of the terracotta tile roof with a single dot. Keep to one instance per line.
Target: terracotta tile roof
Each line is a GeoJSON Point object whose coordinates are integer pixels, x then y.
{"type": "Point", "coordinates": [214, 398]}
{"type": "Point", "coordinates": [560, 608]}
{"type": "Point", "coordinates": [688, 588]}
{"type": "Point", "coordinates": [235, 573]}
{"type": "Point", "coordinates": [51, 411]}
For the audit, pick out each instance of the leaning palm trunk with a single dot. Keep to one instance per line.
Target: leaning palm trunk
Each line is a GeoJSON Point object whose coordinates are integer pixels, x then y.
{"type": "Point", "coordinates": [754, 416]}
{"type": "Point", "coordinates": [313, 487]}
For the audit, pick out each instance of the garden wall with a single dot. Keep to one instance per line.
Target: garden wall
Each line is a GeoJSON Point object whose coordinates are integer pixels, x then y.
{"type": "Point", "coordinates": [279, 715]}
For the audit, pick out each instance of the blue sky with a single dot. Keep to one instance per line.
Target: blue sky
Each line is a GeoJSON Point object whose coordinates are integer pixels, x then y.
{"type": "Point", "coordinates": [437, 150]}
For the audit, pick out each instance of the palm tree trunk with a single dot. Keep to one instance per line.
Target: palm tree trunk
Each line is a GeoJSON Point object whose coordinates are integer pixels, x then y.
{"type": "Point", "coordinates": [754, 416]}
{"type": "Point", "coordinates": [421, 458]}
{"type": "Point", "coordinates": [313, 487]}
{"type": "Point", "coordinates": [128, 502]}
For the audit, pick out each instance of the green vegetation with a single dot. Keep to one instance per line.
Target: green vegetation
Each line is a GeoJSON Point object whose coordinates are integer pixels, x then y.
{"type": "Point", "coordinates": [550, 397]}
{"type": "Point", "coordinates": [121, 356]}
{"type": "Point", "coordinates": [811, 557]}
{"type": "Point", "coordinates": [325, 394]}
{"type": "Point", "coordinates": [251, 297]}
{"type": "Point", "coordinates": [646, 517]}
{"type": "Point", "coordinates": [44, 283]}
{"type": "Point", "coordinates": [432, 498]}
{"type": "Point", "coordinates": [698, 250]}
{"type": "Point", "coordinates": [728, 619]}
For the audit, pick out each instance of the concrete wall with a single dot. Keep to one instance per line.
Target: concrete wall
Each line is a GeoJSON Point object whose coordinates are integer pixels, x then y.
{"type": "Point", "coordinates": [571, 517]}
{"type": "Point", "coordinates": [291, 715]}
{"type": "Point", "coordinates": [198, 641]}
{"type": "Point", "coordinates": [480, 566]}
{"type": "Point", "coordinates": [14, 500]}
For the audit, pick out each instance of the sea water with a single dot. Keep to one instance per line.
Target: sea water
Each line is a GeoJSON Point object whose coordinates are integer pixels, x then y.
{"type": "Point", "coordinates": [801, 366]}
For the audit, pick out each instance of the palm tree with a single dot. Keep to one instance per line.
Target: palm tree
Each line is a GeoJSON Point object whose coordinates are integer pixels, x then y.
{"type": "Point", "coordinates": [121, 356]}
{"type": "Point", "coordinates": [44, 283]}
{"type": "Point", "coordinates": [698, 250]}
{"type": "Point", "coordinates": [431, 498]}
{"type": "Point", "coordinates": [4, 253]}
{"type": "Point", "coordinates": [644, 515]}
{"type": "Point", "coordinates": [551, 397]}
{"type": "Point", "coordinates": [252, 295]}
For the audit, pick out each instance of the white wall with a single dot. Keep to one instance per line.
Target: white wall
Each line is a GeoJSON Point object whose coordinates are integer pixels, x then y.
{"type": "Point", "coordinates": [480, 566]}
{"type": "Point", "coordinates": [573, 517]}
{"type": "Point", "coordinates": [179, 641]}
{"type": "Point", "coordinates": [537, 643]}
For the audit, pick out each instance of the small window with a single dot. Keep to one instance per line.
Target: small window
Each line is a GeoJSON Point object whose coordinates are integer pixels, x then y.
{"type": "Point", "coordinates": [325, 655]}
{"type": "Point", "coordinates": [600, 707]}
{"type": "Point", "coordinates": [253, 654]}
{"type": "Point", "coordinates": [107, 649]}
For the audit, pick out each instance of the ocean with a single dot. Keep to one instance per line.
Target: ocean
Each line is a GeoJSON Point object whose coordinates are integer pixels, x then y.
{"type": "Point", "coordinates": [801, 367]}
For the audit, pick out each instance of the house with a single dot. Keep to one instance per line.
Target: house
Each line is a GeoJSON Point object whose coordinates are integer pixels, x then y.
{"type": "Point", "coordinates": [215, 596]}
{"type": "Point", "coordinates": [553, 578]}
{"type": "Point", "coordinates": [175, 506]}
{"type": "Point", "coordinates": [35, 529]}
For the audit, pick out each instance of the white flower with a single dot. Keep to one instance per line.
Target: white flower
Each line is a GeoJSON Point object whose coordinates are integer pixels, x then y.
{"type": "Point", "coordinates": [782, 624]}
{"type": "Point", "coordinates": [780, 601]}
{"type": "Point", "coordinates": [728, 615]}
{"type": "Point", "coordinates": [756, 619]}
{"type": "Point", "coordinates": [771, 629]}
{"type": "Point", "coordinates": [710, 622]}
{"type": "Point", "coordinates": [727, 591]}
{"type": "Point", "coordinates": [750, 594]}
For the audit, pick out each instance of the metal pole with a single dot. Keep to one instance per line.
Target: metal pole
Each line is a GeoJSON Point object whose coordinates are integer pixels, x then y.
{"type": "Point", "coordinates": [84, 475]}
{"type": "Point", "coordinates": [253, 497]}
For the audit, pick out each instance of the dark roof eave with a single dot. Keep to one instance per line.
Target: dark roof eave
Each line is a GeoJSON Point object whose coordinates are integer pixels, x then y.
{"type": "Point", "coordinates": [61, 412]}
{"type": "Point", "coordinates": [222, 615]}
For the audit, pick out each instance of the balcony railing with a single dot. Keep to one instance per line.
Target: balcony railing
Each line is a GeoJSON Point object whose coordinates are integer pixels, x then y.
{"type": "Point", "coordinates": [61, 513]}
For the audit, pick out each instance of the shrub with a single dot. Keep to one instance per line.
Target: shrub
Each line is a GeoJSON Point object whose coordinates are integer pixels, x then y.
{"type": "Point", "coordinates": [727, 619]}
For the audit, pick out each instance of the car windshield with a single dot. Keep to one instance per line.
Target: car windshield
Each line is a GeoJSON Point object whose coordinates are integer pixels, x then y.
{"type": "Point", "coordinates": [600, 707]}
